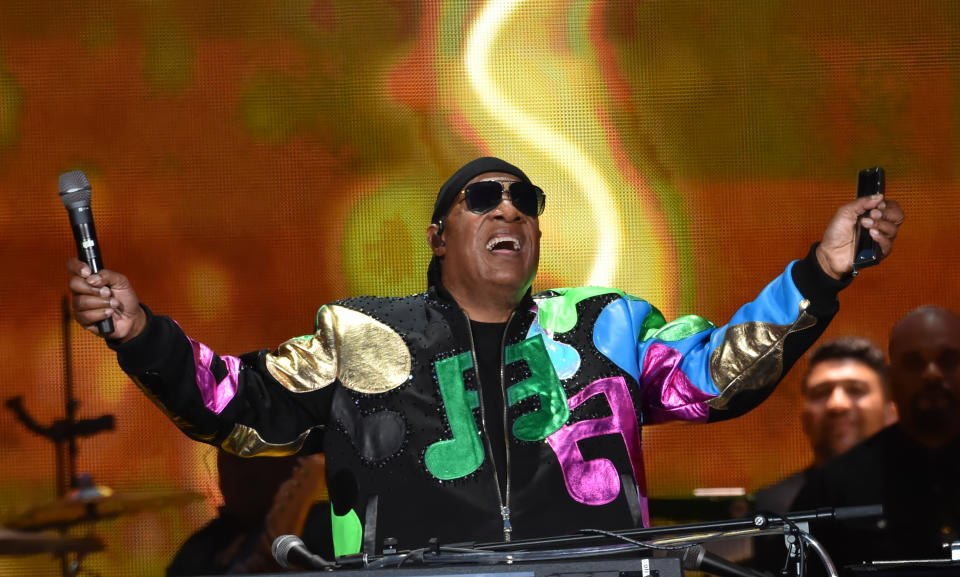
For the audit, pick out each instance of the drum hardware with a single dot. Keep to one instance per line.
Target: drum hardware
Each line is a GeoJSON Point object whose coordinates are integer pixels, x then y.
{"type": "Point", "coordinates": [79, 500]}
{"type": "Point", "coordinates": [24, 543]}
{"type": "Point", "coordinates": [92, 503]}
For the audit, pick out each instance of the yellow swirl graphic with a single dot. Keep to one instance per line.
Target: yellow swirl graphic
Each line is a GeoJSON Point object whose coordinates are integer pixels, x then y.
{"type": "Point", "coordinates": [568, 157]}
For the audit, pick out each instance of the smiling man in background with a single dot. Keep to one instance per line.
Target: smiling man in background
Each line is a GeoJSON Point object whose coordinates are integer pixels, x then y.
{"type": "Point", "coordinates": [846, 399]}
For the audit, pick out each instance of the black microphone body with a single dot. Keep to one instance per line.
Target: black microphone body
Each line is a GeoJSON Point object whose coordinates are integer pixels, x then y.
{"type": "Point", "coordinates": [717, 565]}
{"type": "Point", "coordinates": [696, 558]}
{"type": "Point", "coordinates": [290, 552]}
{"type": "Point", "coordinates": [75, 193]}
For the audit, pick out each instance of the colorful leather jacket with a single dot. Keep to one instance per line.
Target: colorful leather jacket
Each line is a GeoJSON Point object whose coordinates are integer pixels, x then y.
{"type": "Point", "coordinates": [386, 387]}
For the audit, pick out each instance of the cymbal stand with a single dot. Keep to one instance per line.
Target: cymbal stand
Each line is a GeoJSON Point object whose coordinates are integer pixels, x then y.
{"type": "Point", "coordinates": [64, 432]}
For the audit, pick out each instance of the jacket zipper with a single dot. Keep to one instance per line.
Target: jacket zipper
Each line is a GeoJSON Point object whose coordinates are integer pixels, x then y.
{"type": "Point", "coordinates": [505, 507]}
{"type": "Point", "coordinates": [504, 503]}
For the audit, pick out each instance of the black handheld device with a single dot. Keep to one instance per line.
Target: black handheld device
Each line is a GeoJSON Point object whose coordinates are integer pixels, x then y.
{"type": "Point", "coordinates": [870, 181]}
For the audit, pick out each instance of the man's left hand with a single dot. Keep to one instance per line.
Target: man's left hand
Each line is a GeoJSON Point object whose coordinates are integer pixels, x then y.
{"type": "Point", "coordinates": [881, 216]}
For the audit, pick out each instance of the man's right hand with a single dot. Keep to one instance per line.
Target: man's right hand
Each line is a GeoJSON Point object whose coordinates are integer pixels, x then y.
{"type": "Point", "coordinates": [105, 294]}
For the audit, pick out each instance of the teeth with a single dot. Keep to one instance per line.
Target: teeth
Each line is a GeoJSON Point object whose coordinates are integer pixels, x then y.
{"type": "Point", "coordinates": [515, 243]}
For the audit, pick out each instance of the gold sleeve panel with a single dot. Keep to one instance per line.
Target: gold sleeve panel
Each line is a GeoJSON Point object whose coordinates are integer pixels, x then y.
{"type": "Point", "coordinates": [181, 423]}
{"type": "Point", "coordinates": [366, 355]}
{"type": "Point", "coordinates": [305, 364]}
{"type": "Point", "coordinates": [244, 441]}
{"type": "Point", "coordinates": [751, 356]}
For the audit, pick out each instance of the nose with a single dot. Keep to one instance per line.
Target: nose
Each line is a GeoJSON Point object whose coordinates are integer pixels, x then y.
{"type": "Point", "coordinates": [839, 400]}
{"type": "Point", "coordinates": [932, 372]}
{"type": "Point", "coordinates": [506, 209]}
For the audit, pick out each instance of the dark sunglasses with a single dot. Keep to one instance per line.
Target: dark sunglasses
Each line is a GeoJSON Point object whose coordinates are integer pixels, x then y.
{"type": "Point", "coordinates": [485, 195]}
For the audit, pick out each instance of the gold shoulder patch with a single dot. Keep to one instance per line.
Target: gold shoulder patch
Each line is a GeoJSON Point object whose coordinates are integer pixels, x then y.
{"type": "Point", "coordinates": [366, 355]}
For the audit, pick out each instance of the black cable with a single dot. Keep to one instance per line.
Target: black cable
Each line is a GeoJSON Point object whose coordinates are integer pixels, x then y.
{"type": "Point", "coordinates": [635, 542]}
{"type": "Point", "coordinates": [795, 532]}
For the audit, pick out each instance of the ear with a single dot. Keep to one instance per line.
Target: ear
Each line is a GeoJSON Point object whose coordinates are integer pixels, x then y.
{"type": "Point", "coordinates": [437, 245]}
{"type": "Point", "coordinates": [890, 413]}
{"type": "Point", "coordinates": [806, 426]}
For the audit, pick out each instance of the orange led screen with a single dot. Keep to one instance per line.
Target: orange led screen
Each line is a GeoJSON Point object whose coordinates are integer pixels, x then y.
{"type": "Point", "coordinates": [251, 161]}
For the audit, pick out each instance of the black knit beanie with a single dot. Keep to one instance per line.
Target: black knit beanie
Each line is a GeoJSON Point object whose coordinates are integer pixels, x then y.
{"type": "Point", "coordinates": [452, 187]}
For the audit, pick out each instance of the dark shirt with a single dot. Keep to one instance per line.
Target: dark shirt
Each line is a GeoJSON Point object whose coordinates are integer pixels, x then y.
{"type": "Point", "coordinates": [919, 489]}
{"type": "Point", "coordinates": [769, 551]}
{"type": "Point", "coordinates": [778, 498]}
{"type": "Point", "coordinates": [487, 341]}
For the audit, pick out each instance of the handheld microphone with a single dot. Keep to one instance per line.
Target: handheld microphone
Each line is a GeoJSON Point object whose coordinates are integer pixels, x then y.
{"type": "Point", "coordinates": [697, 558]}
{"type": "Point", "coordinates": [75, 193]}
{"type": "Point", "coordinates": [291, 553]}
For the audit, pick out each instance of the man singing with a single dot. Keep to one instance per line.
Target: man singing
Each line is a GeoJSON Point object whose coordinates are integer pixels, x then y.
{"type": "Point", "coordinates": [476, 411]}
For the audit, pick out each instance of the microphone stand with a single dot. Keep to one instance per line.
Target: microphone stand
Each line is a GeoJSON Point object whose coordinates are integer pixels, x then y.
{"type": "Point", "coordinates": [752, 525]}
{"type": "Point", "coordinates": [683, 540]}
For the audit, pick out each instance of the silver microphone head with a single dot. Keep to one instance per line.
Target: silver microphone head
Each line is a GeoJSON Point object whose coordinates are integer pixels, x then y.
{"type": "Point", "coordinates": [74, 188]}
{"type": "Point", "coordinates": [282, 546]}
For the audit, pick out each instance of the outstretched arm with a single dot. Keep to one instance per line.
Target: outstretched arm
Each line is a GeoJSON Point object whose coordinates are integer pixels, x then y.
{"type": "Point", "coordinates": [691, 370]}
{"type": "Point", "coordinates": [231, 402]}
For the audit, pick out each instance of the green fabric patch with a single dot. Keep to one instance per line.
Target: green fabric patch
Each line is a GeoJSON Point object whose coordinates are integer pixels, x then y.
{"type": "Point", "coordinates": [559, 314]}
{"type": "Point", "coordinates": [681, 328]}
{"type": "Point", "coordinates": [463, 454]}
{"type": "Point", "coordinates": [543, 382]}
{"type": "Point", "coordinates": [347, 533]}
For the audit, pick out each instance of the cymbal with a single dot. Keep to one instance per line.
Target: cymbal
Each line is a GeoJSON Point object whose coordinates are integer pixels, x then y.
{"type": "Point", "coordinates": [18, 543]}
{"type": "Point", "coordinates": [95, 504]}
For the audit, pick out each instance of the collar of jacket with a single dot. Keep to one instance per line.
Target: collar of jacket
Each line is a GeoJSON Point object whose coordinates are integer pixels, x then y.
{"type": "Point", "coordinates": [437, 291]}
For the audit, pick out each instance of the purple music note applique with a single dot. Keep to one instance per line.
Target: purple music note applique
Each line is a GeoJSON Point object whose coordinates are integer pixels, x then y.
{"type": "Point", "coordinates": [597, 482]}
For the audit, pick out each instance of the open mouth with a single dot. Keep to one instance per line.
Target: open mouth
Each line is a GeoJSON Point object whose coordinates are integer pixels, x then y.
{"type": "Point", "coordinates": [503, 244]}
